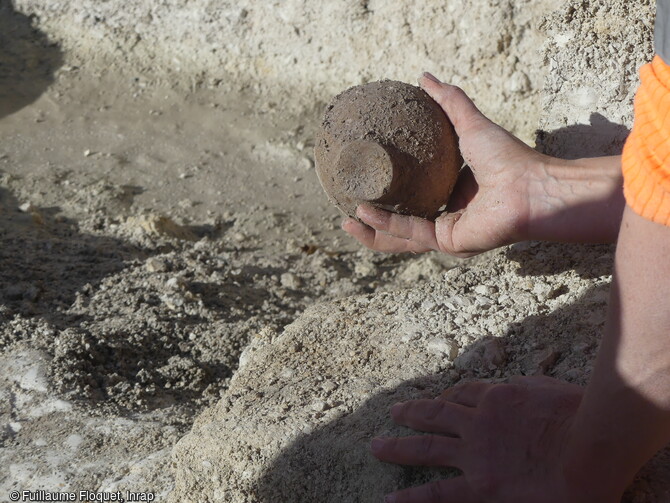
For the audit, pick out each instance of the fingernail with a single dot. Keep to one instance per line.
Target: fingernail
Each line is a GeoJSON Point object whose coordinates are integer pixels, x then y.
{"type": "Point", "coordinates": [432, 77]}
{"type": "Point", "coordinates": [376, 444]}
{"type": "Point", "coordinates": [390, 498]}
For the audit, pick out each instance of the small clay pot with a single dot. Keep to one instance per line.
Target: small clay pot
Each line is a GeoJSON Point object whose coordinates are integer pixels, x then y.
{"type": "Point", "coordinates": [389, 144]}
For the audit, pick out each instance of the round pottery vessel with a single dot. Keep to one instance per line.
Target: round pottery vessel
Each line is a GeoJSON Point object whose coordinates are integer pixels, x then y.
{"type": "Point", "coordinates": [388, 144]}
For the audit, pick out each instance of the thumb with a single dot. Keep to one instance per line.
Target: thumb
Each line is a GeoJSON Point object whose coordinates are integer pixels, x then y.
{"type": "Point", "coordinates": [460, 109]}
{"type": "Point", "coordinates": [457, 235]}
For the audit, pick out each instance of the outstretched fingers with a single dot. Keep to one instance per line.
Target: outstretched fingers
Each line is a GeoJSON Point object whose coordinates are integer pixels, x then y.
{"type": "Point", "coordinates": [535, 380]}
{"type": "Point", "coordinates": [434, 416]}
{"type": "Point", "coordinates": [454, 490]}
{"type": "Point", "coordinates": [389, 232]}
{"type": "Point", "coordinates": [418, 450]}
{"type": "Point", "coordinates": [418, 230]}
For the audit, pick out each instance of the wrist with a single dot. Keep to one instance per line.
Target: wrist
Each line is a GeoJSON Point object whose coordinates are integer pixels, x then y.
{"type": "Point", "coordinates": [575, 200]}
{"type": "Point", "coordinates": [580, 490]}
{"type": "Point", "coordinates": [584, 485]}
{"type": "Point", "coordinates": [588, 475]}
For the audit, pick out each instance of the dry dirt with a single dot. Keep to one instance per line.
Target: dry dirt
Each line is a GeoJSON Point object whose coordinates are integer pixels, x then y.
{"type": "Point", "coordinates": [159, 210]}
{"type": "Point", "coordinates": [293, 55]}
{"type": "Point", "coordinates": [593, 50]}
{"type": "Point", "coordinates": [312, 396]}
{"type": "Point", "coordinates": [139, 257]}
{"type": "Point", "coordinates": [148, 233]}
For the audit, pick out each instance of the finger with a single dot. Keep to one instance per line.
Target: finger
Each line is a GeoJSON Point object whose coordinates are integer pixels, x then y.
{"type": "Point", "coordinates": [464, 234]}
{"type": "Point", "coordinates": [453, 240]}
{"type": "Point", "coordinates": [455, 490]}
{"type": "Point", "coordinates": [434, 416]}
{"type": "Point", "coordinates": [460, 109]}
{"type": "Point", "coordinates": [418, 450]}
{"type": "Point", "coordinates": [416, 229]}
{"type": "Point", "coordinates": [468, 394]}
{"type": "Point", "coordinates": [543, 381]}
{"type": "Point", "coordinates": [379, 241]}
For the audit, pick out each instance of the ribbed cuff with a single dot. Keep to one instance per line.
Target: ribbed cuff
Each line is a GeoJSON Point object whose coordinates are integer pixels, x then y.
{"type": "Point", "coordinates": [646, 155]}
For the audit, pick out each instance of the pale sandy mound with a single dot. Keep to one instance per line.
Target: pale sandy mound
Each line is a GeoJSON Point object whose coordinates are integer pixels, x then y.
{"type": "Point", "coordinates": [593, 51]}
{"type": "Point", "coordinates": [298, 417]}
{"type": "Point", "coordinates": [296, 423]}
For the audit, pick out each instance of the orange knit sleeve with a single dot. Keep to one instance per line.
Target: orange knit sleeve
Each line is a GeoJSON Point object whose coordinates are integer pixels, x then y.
{"type": "Point", "coordinates": [646, 154]}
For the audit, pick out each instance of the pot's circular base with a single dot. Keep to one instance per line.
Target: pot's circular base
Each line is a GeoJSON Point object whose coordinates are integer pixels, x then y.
{"type": "Point", "coordinates": [365, 171]}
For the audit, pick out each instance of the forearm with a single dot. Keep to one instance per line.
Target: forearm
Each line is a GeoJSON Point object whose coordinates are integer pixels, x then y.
{"type": "Point", "coordinates": [625, 414]}
{"type": "Point", "coordinates": [578, 201]}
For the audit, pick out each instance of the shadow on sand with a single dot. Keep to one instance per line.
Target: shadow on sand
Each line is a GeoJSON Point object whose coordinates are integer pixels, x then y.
{"type": "Point", "coordinates": [600, 137]}
{"type": "Point", "coordinates": [333, 464]}
{"type": "Point", "coordinates": [28, 60]}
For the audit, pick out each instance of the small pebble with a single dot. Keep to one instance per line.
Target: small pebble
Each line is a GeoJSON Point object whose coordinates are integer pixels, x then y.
{"type": "Point", "coordinates": [290, 280]}
{"type": "Point", "coordinates": [483, 290]}
{"type": "Point", "coordinates": [319, 406]}
{"type": "Point", "coordinates": [154, 264]}
{"type": "Point", "coordinates": [329, 386]}
{"type": "Point", "coordinates": [175, 283]}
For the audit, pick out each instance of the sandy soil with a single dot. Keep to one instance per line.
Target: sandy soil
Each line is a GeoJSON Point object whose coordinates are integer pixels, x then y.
{"type": "Point", "coordinates": [147, 234]}
{"type": "Point", "coordinates": [313, 395]}
{"type": "Point", "coordinates": [159, 207]}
